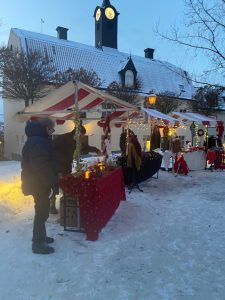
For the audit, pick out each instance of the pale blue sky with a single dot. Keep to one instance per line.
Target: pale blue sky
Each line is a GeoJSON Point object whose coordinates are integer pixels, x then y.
{"type": "Point", "coordinates": [135, 30]}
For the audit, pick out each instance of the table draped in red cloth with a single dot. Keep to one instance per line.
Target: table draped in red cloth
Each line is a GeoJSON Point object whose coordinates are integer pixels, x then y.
{"type": "Point", "coordinates": [98, 198]}
{"type": "Point", "coordinates": [216, 158]}
{"type": "Point", "coordinates": [211, 156]}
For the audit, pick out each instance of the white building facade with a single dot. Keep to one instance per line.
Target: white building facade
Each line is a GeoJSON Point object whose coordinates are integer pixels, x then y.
{"type": "Point", "coordinates": [110, 65]}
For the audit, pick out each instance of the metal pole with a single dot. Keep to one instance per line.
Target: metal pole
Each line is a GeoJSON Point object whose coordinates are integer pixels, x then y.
{"type": "Point", "coordinates": [207, 136]}
{"type": "Point", "coordinates": [77, 124]}
{"type": "Point", "coordinates": [151, 133]}
{"type": "Point", "coordinates": [78, 145]}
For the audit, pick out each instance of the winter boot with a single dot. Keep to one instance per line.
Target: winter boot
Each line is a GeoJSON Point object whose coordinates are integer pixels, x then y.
{"type": "Point", "coordinates": [49, 240]}
{"type": "Point", "coordinates": [42, 248]}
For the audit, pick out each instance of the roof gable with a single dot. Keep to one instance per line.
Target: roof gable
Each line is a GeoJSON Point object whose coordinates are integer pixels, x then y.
{"type": "Point", "coordinates": [128, 65]}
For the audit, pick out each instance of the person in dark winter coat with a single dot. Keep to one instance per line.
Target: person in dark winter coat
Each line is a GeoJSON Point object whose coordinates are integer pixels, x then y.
{"type": "Point", "coordinates": [39, 178]}
{"type": "Point", "coordinates": [123, 140]}
{"type": "Point", "coordinates": [64, 146]}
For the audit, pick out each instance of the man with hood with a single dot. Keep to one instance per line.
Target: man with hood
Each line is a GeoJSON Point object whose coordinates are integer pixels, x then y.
{"type": "Point", "coordinates": [39, 178]}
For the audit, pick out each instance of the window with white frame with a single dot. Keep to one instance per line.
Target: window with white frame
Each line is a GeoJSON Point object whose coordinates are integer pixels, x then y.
{"type": "Point", "coordinates": [129, 78]}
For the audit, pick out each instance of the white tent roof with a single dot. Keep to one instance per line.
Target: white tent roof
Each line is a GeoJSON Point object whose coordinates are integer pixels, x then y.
{"type": "Point", "coordinates": [154, 114]}
{"type": "Point", "coordinates": [195, 117]}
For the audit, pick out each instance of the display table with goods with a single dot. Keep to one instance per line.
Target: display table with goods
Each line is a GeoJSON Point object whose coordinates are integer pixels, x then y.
{"type": "Point", "coordinates": [216, 158]}
{"type": "Point", "coordinates": [92, 197]}
{"type": "Point", "coordinates": [150, 165]}
{"type": "Point", "coordinates": [195, 158]}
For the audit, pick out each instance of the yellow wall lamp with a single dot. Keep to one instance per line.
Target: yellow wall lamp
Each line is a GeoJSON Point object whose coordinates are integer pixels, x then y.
{"type": "Point", "coordinates": [152, 99]}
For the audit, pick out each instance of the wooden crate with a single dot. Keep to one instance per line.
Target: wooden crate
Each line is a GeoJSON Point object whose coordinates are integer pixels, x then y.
{"type": "Point", "coordinates": [72, 213]}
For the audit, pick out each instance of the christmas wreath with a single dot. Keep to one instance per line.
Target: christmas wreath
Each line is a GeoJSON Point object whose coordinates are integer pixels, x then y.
{"type": "Point", "coordinates": [200, 132]}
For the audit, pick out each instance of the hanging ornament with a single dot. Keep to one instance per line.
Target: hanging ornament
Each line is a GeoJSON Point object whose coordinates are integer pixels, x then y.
{"type": "Point", "coordinates": [192, 128]}
{"type": "Point", "coordinates": [106, 151]}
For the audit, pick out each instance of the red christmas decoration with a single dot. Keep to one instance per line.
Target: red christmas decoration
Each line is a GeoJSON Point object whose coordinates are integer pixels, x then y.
{"type": "Point", "coordinates": [106, 130]}
{"type": "Point", "coordinates": [180, 164]}
{"type": "Point", "coordinates": [220, 130]}
{"type": "Point", "coordinates": [100, 123]}
{"type": "Point", "coordinates": [60, 122]}
{"type": "Point", "coordinates": [34, 118]}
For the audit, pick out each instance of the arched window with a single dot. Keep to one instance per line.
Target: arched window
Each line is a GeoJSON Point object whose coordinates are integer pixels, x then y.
{"type": "Point", "coordinates": [129, 78]}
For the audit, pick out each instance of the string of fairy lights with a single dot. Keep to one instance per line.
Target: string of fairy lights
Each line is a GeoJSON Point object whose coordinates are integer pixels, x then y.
{"type": "Point", "coordinates": [140, 125]}
{"type": "Point", "coordinates": [146, 126]}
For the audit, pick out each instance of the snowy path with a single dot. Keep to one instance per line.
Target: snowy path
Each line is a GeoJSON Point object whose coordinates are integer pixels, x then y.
{"type": "Point", "coordinates": [167, 243]}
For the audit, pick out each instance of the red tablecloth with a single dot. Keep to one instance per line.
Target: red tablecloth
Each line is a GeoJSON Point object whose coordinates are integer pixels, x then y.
{"type": "Point", "coordinates": [216, 158]}
{"type": "Point", "coordinates": [211, 156]}
{"type": "Point", "coordinates": [98, 198]}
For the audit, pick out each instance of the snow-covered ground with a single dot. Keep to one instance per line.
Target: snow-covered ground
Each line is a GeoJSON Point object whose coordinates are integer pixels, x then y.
{"type": "Point", "coordinates": [167, 243]}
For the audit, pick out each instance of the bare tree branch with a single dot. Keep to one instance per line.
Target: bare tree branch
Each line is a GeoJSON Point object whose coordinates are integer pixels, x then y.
{"type": "Point", "coordinates": [165, 103]}
{"type": "Point", "coordinates": [88, 77]}
{"type": "Point", "coordinates": [24, 76]}
{"type": "Point", "coordinates": [207, 99]}
{"type": "Point", "coordinates": [205, 31]}
{"type": "Point", "coordinates": [128, 94]}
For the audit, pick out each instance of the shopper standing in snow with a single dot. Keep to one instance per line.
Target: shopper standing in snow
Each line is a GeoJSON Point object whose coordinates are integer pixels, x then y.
{"type": "Point", "coordinates": [39, 178]}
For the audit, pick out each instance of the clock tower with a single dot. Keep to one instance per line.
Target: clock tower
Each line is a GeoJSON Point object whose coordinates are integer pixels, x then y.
{"type": "Point", "coordinates": [106, 20]}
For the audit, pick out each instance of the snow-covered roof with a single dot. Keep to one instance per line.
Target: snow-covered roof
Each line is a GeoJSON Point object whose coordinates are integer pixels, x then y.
{"type": "Point", "coordinates": [155, 75]}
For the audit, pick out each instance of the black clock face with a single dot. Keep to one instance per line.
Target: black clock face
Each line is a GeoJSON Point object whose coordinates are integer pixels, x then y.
{"type": "Point", "coordinates": [110, 13]}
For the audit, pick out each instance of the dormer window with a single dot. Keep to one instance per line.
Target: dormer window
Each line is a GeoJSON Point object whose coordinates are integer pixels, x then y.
{"type": "Point", "coordinates": [129, 78]}
{"type": "Point", "coordinates": [128, 73]}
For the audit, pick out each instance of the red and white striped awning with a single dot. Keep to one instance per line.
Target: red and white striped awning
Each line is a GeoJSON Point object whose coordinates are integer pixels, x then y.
{"type": "Point", "coordinates": [59, 104]}
{"type": "Point", "coordinates": [186, 117]}
{"type": "Point", "coordinates": [157, 115]}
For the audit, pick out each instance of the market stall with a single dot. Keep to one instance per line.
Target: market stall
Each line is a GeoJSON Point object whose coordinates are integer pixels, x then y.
{"type": "Point", "coordinates": [196, 155]}
{"type": "Point", "coordinates": [150, 165]}
{"type": "Point", "coordinates": [99, 197]}
{"type": "Point", "coordinates": [216, 158]}
{"type": "Point", "coordinates": [168, 125]}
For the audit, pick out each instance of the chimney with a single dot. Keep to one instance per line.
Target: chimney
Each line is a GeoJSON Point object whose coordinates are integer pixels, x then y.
{"type": "Point", "coordinates": [149, 53]}
{"type": "Point", "coordinates": [62, 33]}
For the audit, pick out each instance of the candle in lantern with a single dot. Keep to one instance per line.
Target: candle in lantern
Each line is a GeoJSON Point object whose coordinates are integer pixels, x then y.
{"type": "Point", "coordinates": [86, 174]}
{"type": "Point", "coordinates": [100, 166]}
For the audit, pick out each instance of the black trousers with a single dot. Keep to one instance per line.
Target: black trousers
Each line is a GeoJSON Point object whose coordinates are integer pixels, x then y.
{"type": "Point", "coordinates": [41, 207]}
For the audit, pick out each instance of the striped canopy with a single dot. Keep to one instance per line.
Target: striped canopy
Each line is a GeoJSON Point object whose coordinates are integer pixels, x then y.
{"type": "Point", "coordinates": [186, 117]}
{"type": "Point", "coordinates": [60, 103]}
